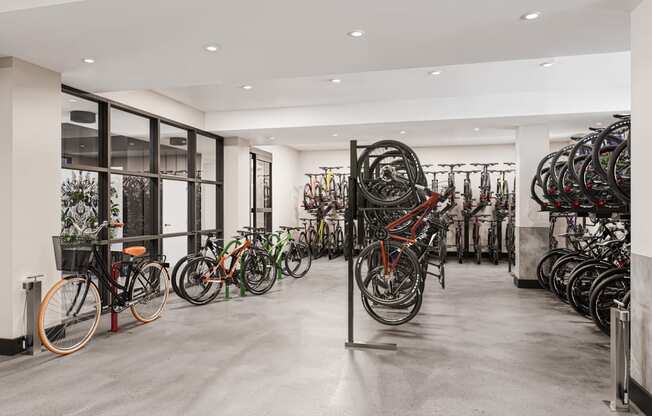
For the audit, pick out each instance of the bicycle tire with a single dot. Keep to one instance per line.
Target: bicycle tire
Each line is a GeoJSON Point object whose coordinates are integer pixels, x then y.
{"type": "Point", "coordinates": [152, 285]}
{"type": "Point", "coordinates": [52, 336]}
{"type": "Point", "coordinates": [297, 250]}
{"type": "Point", "coordinates": [611, 284]}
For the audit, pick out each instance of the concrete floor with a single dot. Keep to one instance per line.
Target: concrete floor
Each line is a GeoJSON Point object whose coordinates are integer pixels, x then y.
{"type": "Point", "coordinates": [482, 347]}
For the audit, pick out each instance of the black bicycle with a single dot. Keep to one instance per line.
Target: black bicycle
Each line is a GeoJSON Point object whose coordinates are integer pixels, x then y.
{"type": "Point", "coordinates": [70, 312]}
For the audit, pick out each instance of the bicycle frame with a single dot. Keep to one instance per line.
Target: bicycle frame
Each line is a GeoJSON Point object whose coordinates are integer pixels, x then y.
{"type": "Point", "coordinates": [422, 211]}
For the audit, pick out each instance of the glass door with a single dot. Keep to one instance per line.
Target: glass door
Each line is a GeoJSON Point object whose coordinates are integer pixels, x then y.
{"type": "Point", "coordinates": [260, 195]}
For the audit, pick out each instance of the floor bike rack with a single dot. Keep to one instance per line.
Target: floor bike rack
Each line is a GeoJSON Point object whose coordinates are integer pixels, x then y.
{"type": "Point", "coordinates": [350, 216]}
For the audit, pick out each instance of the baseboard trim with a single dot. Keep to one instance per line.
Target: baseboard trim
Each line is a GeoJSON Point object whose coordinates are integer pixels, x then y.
{"type": "Point", "coordinates": [12, 346]}
{"type": "Point", "coordinates": [641, 397]}
{"type": "Point", "coordinates": [526, 284]}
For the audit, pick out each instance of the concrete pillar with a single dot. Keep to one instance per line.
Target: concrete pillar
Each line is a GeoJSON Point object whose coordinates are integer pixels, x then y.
{"type": "Point", "coordinates": [641, 278]}
{"type": "Point", "coordinates": [30, 176]}
{"type": "Point", "coordinates": [236, 185]}
{"type": "Point", "coordinates": [532, 144]}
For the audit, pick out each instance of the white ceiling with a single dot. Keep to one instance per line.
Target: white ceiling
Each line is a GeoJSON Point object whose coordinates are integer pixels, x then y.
{"type": "Point", "coordinates": [158, 44]}
{"type": "Point", "coordinates": [422, 134]}
{"type": "Point", "coordinates": [568, 73]}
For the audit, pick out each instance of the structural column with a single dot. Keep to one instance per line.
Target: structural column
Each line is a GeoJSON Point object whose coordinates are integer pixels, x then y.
{"type": "Point", "coordinates": [532, 144]}
{"type": "Point", "coordinates": [236, 185]}
{"type": "Point", "coordinates": [641, 277]}
{"type": "Point", "coordinates": [30, 182]}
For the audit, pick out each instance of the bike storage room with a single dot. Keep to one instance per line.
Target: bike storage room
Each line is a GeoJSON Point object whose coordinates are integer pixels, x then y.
{"type": "Point", "coordinates": [304, 208]}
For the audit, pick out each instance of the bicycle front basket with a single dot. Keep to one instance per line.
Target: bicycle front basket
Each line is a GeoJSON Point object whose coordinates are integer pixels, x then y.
{"type": "Point", "coordinates": [71, 257]}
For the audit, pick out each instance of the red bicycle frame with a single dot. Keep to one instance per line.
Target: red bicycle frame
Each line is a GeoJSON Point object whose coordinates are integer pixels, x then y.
{"type": "Point", "coordinates": [422, 211]}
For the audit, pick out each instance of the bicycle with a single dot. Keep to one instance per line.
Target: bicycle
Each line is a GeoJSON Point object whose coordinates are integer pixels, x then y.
{"type": "Point", "coordinates": [336, 245]}
{"type": "Point", "coordinates": [289, 254]}
{"type": "Point", "coordinates": [240, 263]}
{"type": "Point", "coordinates": [312, 191]}
{"type": "Point", "coordinates": [70, 311]}
{"type": "Point", "coordinates": [211, 247]}
{"type": "Point", "coordinates": [477, 245]}
{"type": "Point", "coordinates": [485, 182]}
{"type": "Point", "coordinates": [459, 239]}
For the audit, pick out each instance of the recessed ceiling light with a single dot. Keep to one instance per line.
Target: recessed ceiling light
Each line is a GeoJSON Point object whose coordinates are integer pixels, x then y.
{"type": "Point", "coordinates": [335, 134]}
{"type": "Point", "coordinates": [335, 81]}
{"type": "Point", "coordinates": [356, 33]}
{"type": "Point", "coordinates": [212, 48]}
{"type": "Point", "coordinates": [599, 123]}
{"type": "Point", "coordinates": [547, 64]}
{"type": "Point", "coordinates": [476, 129]}
{"type": "Point", "coordinates": [246, 87]}
{"type": "Point", "coordinates": [72, 100]}
{"type": "Point", "coordinates": [271, 138]}
{"type": "Point", "coordinates": [531, 16]}
{"type": "Point", "coordinates": [435, 73]}
{"type": "Point", "coordinates": [403, 132]}
{"type": "Point", "coordinates": [89, 60]}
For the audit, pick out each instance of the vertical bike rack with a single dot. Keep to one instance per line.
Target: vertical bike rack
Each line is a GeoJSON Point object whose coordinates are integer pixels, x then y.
{"type": "Point", "coordinates": [350, 216]}
{"type": "Point", "coordinates": [32, 285]}
{"type": "Point", "coordinates": [620, 369]}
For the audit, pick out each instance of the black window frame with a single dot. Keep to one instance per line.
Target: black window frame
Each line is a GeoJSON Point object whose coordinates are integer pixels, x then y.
{"type": "Point", "coordinates": [105, 171]}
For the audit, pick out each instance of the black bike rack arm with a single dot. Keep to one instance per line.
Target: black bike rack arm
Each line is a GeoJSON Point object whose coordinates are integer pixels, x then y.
{"type": "Point", "coordinates": [351, 215]}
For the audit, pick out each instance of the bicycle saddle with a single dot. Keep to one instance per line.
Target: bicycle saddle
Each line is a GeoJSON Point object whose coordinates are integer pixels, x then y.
{"type": "Point", "coordinates": [135, 251]}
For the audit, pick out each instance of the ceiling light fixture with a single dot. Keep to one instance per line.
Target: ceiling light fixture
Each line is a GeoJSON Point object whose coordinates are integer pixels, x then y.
{"type": "Point", "coordinates": [547, 64]}
{"type": "Point", "coordinates": [212, 48]}
{"type": "Point", "coordinates": [335, 81]}
{"type": "Point", "coordinates": [531, 16]}
{"type": "Point", "coordinates": [89, 60]}
{"type": "Point", "coordinates": [435, 73]}
{"type": "Point", "coordinates": [335, 134]}
{"type": "Point", "coordinates": [271, 138]}
{"type": "Point", "coordinates": [356, 33]}
{"type": "Point", "coordinates": [599, 123]}
{"type": "Point", "coordinates": [246, 87]}
{"type": "Point", "coordinates": [402, 132]}
{"type": "Point", "coordinates": [476, 129]}
{"type": "Point", "coordinates": [72, 100]}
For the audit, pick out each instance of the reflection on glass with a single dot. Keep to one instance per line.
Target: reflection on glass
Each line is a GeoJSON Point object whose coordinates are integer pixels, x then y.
{"type": "Point", "coordinates": [174, 249]}
{"type": "Point", "coordinates": [129, 142]}
{"type": "Point", "coordinates": [131, 199]}
{"type": "Point", "coordinates": [174, 151]}
{"type": "Point", "coordinates": [206, 207]}
{"type": "Point", "coordinates": [206, 158]}
{"type": "Point", "coordinates": [175, 206]}
{"type": "Point", "coordinates": [79, 201]}
{"type": "Point", "coordinates": [263, 184]}
{"type": "Point", "coordinates": [79, 136]}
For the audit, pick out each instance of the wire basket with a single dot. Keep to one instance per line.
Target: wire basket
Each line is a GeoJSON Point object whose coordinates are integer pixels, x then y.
{"type": "Point", "coordinates": [72, 257]}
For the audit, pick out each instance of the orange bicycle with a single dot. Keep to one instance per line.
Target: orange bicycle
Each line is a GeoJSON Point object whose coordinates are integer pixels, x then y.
{"type": "Point", "coordinates": [240, 263]}
{"type": "Point", "coordinates": [388, 271]}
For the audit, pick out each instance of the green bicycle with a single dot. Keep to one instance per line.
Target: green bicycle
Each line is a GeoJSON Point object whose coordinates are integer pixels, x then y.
{"type": "Point", "coordinates": [291, 257]}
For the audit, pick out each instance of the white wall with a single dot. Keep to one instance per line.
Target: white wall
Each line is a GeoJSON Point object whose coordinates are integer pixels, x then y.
{"type": "Point", "coordinates": [286, 192]}
{"type": "Point", "coordinates": [30, 170]}
{"type": "Point", "coordinates": [641, 128]}
{"type": "Point", "coordinates": [160, 105]}
{"type": "Point", "coordinates": [236, 185]}
{"type": "Point", "coordinates": [641, 289]}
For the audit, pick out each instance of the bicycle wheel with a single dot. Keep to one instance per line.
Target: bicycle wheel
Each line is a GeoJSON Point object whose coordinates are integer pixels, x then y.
{"type": "Point", "coordinates": [176, 273]}
{"type": "Point", "coordinates": [579, 285]}
{"type": "Point", "coordinates": [258, 271]}
{"type": "Point", "coordinates": [150, 287]}
{"type": "Point", "coordinates": [69, 315]}
{"type": "Point", "coordinates": [544, 267]}
{"type": "Point", "coordinates": [201, 281]}
{"type": "Point", "coordinates": [298, 259]}
{"type": "Point", "coordinates": [459, 245]}
{"type": "Point", "coordinates": [561, 272]}
{"type": "Point", "coordinates": [619, 172]}
{"type": "Point", "coordinates": [308, 197]}
{"type": "Point", "coordinates": [392, 315]}
{"type": "Point", "coordinates": [394, 286]}
{"type": "Point", "coordinates": [604, 296]}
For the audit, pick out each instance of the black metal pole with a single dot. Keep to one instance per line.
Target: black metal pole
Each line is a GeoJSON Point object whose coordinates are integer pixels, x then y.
{"type": "Point", "coordinates": [352, 214]}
